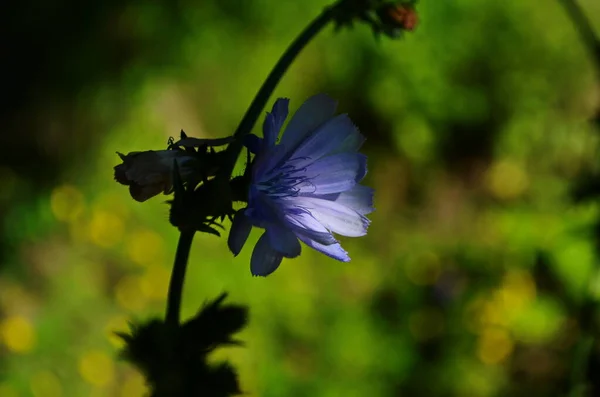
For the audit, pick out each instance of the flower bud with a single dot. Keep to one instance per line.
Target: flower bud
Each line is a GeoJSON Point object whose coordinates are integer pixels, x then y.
{"type": "Point", "coordinates": [150, 173]}
{"type": "Point", "coordinates": [397, 17]}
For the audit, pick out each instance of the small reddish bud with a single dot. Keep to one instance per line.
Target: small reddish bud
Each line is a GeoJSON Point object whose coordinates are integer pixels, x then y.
{"type": "Point", "coordinates": [394, 16]}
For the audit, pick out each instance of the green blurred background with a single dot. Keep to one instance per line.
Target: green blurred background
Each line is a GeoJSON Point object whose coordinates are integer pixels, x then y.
{"type": "Point", "coordinates": [477, 267]}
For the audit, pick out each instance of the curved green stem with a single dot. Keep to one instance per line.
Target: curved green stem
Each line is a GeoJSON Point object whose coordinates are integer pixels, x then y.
{"type": "Point", "coordinates": [233, 150]}
{"type": "Point", "coordinates": [584, 27]}
{"type": "Point", "coordinates": [265, 91]}
{"type": "Point", "coordinates": [178, 276]}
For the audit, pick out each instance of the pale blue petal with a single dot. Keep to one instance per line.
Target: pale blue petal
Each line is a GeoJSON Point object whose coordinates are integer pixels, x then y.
{"type": "Point", "coordinates": [265, 260]}
{"type": "Point", "coordinates": [359, 198]}
{"type": "Point", "coordinates": [325, 140]}
{"type": "Point", "coordinates": [274, 121]}
{"type": "Point", "coordinates": [334, 251]}
{"type": "Point", "coordinates": [315, 111]}
{"type": "Point", "coordinates": [333, 174]}
{"type": "Point", "coordinates": [335, 217]}
{"type": "Point", "coordinates": [240, 230]}
{"type": "Point", "coordinates": [284, 241]}
{"type": "Point", "coordinates": [303, 224]}
{"type": "Point", "coordinates": [351, 143]}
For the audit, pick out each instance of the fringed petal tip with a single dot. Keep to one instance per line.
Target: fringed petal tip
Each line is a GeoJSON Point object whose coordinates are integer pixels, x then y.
{"type": "Point", "coordinates": [274, 121]}
{"type": "Point", "coordinates": [334, 251]}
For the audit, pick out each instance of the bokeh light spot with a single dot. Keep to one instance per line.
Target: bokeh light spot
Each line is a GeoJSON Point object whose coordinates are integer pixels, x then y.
{"type": "Point", "coordinates": [494, 345]}
{"type": "Point", "coordinates": [155, 282]}
{"type": "Point", "coordinates": [539, 322]}
{"type": "Point", "coordinates": [517, 291]}
{"type": "Point", "coordinates": [145, 247]}
{"type": "Point", "coordinates": [106, 229]}
{"type": "Point", "coordinates": [493, 313]}
{"type": "Point", "coordinates": [134, 386]}
{"type": "Point", "coordinates": [96, 368]}
{"type": "Point", "coordinates": [18, 334]}
{"type": "Point", "coordinates": [46, 384]}
{"type": "Point", "coordinates": [507, 180]}
{"type": "Point", "coordinates": [477, 382]}
{"type": "Point", "coordinates": [415, 138]}
{"type": "Point", "coordinates": [66, 202]}
{"type": "Point", "coordinates": [129, 293]}
{"type": "Point", "coordinates": [112, 201]}
{"type": "Point", "coordinates": [426, 323]}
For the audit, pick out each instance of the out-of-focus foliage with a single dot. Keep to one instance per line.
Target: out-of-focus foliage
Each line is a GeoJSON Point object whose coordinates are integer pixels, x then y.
{"type": "Point", "coordinates": [471, 279]}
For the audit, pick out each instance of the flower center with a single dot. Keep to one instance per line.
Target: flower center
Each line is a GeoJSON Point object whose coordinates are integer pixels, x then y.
{"type": "Point", "coordinates": [284, 181]}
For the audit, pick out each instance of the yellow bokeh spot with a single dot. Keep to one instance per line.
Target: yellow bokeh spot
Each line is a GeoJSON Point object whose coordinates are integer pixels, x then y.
{"type": "Point", "coordinates": [18, 334]}
{"type": "Point", "coordinates": [507, 180]}
{"type": "Point", "coordinates": [145, 247]}
{"type": "Point", "coordinates": [493, 313]}
{"type": "Point", "coordinates": [494, 345]}
{"type": "Point", "coordinates": [7, 390]}
{"type": "Point", "coordinates": [155, 282]}
{"type": "Point", "coordinates": [477, 382]}
{"type": "Point", "coordinates": [114, 325]}
{"type": "Point", "coordinates": [66, 202]}
{"type": "Point", "coordinates": [134, 386]}
{"type": "Point", "coordinates": [105, 229]}
{"type": "Point", "coordinates": [112, 202]}
{"type": "Point", "coordinates": [426, 323]}
{"type": "Point", "coordinates": [97, 368]}
{"type": "Point", "coordinates": [506, 304]}
{"type": "Point", "coordinates": [517, 291]}
{"type": "Point", "coordinates": [538, 322]}
{"type": "Point", "coordinates": [46, 384]}
{"type": "Point", "coordinates": [423, 270]}
{"type": "Point", "coordinates": [129, 293]}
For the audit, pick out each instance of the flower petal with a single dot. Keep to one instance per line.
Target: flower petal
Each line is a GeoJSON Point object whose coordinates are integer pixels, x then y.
{"type": "Point", "coordinates": [303, 224]}
{"type": "Point", "coordinates": [359, 198]}
{"type": "Point", "coordinates": [274, 121]}
{"type": "Point", "coordinates": [266, 161]}
{"type": "Point", "coordinates": [325, 140]}
{"type": "Point", "coordinates": [310, 115]}
{"type": "Point", "coordinates": [334, 251]}
{"type": "Point", "coordinates": [265, 260]}
{"type": "Point", "coordinates": [240, 230]}
{"type": "Point", "coordinates": [253, 143]}
{"type": "Point", "coordinates": [283, 241]}
{"type": "Point", "coordinates": [352, 143]}
{"type": "Point", "coordinates": [333, 174]}
{"type": "Point", "coordinates": [334, 216]}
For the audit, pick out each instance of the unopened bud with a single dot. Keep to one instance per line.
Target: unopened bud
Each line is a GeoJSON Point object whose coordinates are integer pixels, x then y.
{"type": "Point", "coordinates": [150, 173]}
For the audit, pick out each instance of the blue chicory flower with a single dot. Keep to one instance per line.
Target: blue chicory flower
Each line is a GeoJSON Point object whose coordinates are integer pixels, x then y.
{"type": "Point", "coordinates": [305, 187]}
